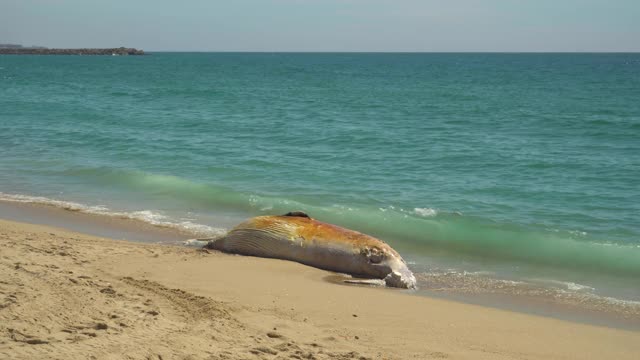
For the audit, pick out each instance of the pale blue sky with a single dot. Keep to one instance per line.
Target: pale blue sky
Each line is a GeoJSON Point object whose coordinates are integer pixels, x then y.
{"type": "Point", "coordinates": [326, 25]}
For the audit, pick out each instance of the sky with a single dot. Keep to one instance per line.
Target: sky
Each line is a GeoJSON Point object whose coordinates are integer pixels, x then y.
{"type": "Point", "coordinates": [326, 25]}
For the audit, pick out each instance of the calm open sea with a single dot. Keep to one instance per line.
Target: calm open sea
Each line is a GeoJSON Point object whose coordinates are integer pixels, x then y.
{"type": "Point", "coordinates": [513, 174]}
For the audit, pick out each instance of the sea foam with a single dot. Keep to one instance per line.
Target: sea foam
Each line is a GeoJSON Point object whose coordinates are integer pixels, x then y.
{"type": "Point", "coordinates": [425, 212]}
{"type": "Point", "coordinates": [146, 216]}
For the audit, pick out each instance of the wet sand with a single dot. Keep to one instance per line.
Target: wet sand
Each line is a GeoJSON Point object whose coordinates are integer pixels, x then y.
{"type": "Point", "coordinates": [65, 295]}
{"type": "Point", "coordinates": [111, 227]}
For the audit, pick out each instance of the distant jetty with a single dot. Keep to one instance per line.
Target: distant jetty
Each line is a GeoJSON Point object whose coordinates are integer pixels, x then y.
{"type": "Point", "coordinates": [19, 50]}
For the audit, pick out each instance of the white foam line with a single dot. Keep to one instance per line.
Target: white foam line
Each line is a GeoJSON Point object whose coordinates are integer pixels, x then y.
{"type": "Point", "coordinates": [563, 290]}
{"type": "Point", "coordinates": [563, 284]}
{"type": "Point", "coordinates": [425, 212]}
{"type": "Point", "coordinates": [143, 215]}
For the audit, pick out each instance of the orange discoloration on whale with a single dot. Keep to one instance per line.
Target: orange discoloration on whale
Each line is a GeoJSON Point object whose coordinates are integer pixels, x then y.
{"type": "Point", "coordinates": [310, 229]}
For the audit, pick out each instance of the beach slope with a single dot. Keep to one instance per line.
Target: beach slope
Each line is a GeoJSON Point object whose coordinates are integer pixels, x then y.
{"type": "Point", "coordinates": [65, 295]}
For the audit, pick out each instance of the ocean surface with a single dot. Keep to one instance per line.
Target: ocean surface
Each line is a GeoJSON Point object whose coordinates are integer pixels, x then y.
{"type": "Point", "coordinates": [513, 174]}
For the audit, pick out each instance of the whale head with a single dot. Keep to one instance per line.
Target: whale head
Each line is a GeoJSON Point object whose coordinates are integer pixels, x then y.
{"type": "Point", "coordinates": [388, 265]}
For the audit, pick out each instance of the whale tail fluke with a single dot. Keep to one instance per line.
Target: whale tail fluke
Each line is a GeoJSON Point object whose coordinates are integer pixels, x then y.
{"type": "Point", "coordinates": [207, 243]}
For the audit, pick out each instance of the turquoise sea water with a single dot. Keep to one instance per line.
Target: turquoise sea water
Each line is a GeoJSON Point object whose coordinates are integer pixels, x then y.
{"type": "Point", "coordinates": [518, 169]}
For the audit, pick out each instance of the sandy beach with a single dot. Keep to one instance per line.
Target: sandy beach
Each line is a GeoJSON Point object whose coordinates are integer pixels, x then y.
{"type": "Point", "coordinates": [65, 295]}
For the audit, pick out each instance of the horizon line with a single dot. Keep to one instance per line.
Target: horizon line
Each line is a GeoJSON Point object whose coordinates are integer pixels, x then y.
{"type": "Point", "coordinates": [397, 52]}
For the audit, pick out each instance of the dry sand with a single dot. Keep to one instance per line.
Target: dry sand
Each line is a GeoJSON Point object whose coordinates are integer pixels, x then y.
{"type": "Point", "coordinates": [65, 295]}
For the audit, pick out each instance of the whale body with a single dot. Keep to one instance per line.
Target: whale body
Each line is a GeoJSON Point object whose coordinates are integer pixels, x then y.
{"type": "Point", "coordinates": [297, 237]}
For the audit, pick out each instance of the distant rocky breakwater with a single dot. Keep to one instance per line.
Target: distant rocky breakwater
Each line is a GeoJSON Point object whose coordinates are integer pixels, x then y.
{"type": "Point", "coordinates": [121, 51]}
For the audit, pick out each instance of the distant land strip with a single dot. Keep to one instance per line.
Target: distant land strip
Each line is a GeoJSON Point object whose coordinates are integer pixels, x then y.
{"type": "Point", "coordinates": [121, 51]}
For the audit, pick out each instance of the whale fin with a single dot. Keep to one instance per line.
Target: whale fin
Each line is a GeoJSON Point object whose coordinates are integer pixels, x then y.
{"type": "Point", "coordinates": [369, 282]}
{"type": "Point", "coordinates": [297, 214]}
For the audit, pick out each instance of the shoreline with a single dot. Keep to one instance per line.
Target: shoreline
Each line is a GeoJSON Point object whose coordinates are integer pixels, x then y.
{"type": "Point", "coordinates": [71, 295]}
{"type": "Point", "coordinates": [121, 51]}
{"type": "Point", "coordinates": [567, 307]}
{"type": "Point", "coordinates": [111, 227]}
